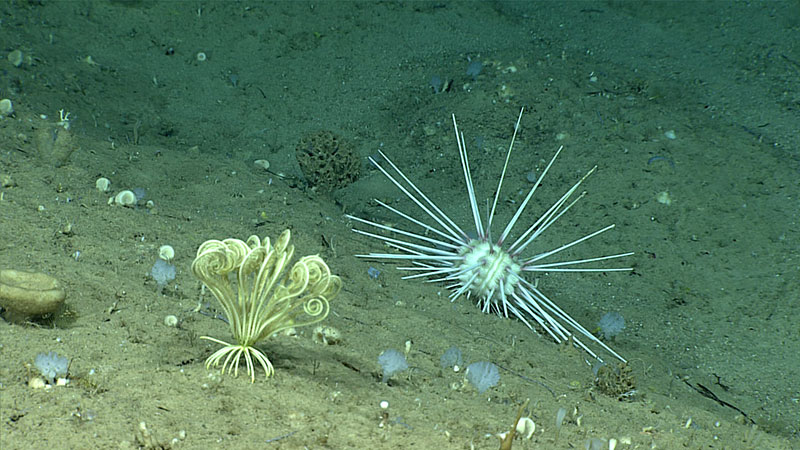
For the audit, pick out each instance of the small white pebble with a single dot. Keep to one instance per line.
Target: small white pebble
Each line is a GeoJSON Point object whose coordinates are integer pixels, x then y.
{"type": "Point", "coordinates": [384, 404]}
{"type": "Point", "coordinates": [670, 134]}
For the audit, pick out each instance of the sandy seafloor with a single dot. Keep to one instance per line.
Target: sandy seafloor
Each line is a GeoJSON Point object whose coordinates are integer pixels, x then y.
{"type": "Point", "coordinates": [712, 301]}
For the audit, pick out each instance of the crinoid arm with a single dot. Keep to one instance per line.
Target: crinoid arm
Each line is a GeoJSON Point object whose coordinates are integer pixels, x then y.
{"type": "Point", "coordinates": [233, 355]}
{"type": "Point", "coordinates": [489, 270]}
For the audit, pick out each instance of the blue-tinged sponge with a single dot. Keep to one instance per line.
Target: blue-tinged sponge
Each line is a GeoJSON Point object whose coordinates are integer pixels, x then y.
{"type": "Point", "coordinates": [51, 366]}
{"type": "Point", "coordinates": [483, 375]}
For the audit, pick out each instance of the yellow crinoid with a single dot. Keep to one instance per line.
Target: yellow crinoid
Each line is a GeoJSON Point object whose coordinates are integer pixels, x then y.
{"type": "Point", "coordinates": [266, 297]}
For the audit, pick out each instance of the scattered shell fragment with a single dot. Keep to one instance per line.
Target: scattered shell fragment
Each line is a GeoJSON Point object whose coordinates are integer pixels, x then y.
{"type": "Point", "coordinates": [6, 181]}
{"type": "Point", "coordinates": [670, 134]}
{"type": "Point", "coordinates": [102, 184]}
{"type": "Point", "coordinates": [67, 230]}
{"type": "Point", "coordinates": [262, 163]}
{"type": "Point", "coordinates": [166, 252]}
{"type": "Point", "coordinates": [125, 198]}
{"type": "Point", "coordinates": [664, 198]}
{"type": "Point", "coordinates": [326, 335]}
{"type": "Point", "coordinates": [6, 107]}
{"type": "Point", "coordinates": [171, 321]}
{"type": "Point", "coordinates": [15, 58]}
{"type": "Point", "coordinates": [526, 427]}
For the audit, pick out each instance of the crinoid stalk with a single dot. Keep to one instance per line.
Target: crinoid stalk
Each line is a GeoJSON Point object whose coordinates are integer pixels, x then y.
{"type": "Point", "coordinates": [486, 268]}
{"type": "Point", "coordinates": [267, 297]}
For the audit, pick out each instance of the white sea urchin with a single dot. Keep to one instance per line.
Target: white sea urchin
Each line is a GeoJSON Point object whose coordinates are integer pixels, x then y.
{"type": "Point", "coordinates": [483, 267]}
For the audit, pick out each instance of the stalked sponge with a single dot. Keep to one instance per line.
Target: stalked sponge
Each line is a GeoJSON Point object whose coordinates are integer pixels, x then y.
{"type": "Point", "coordinates": [451, 358]}
{"type": "Point", "coordinates": [163, 272]}
{"type": "Point", "coordinates": [483, 375]}
{"type": "Point", "coordinates": [392, 362]}
{"type": "Point", "coordinates": [610, 325]}
{"type": "Point", "coordinates": [52, 366]}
